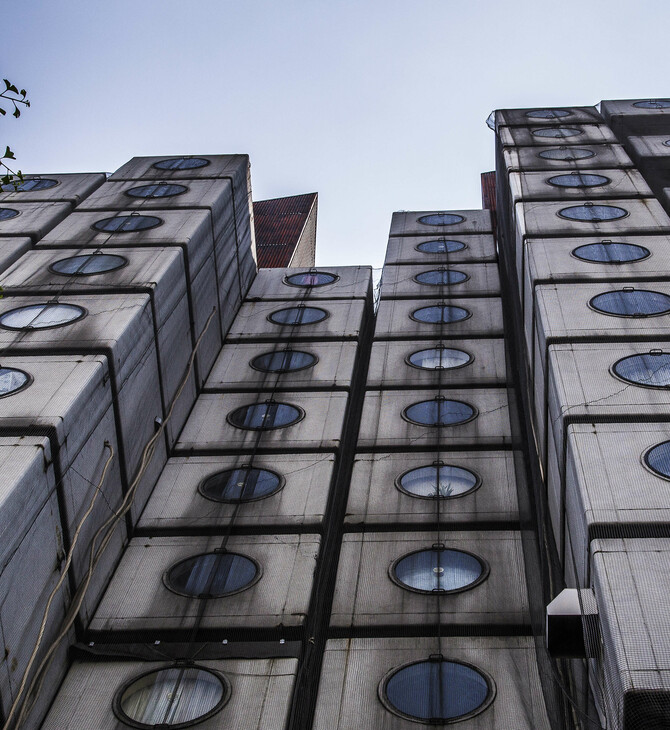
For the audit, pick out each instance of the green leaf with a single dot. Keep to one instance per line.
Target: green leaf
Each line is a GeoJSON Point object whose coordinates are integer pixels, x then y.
{"type": "Point", "coordinates": [23, 93]}
{"type": "Point", "coordinates": [7, 84]}
{"type": "Point", "coordinates": [27, 103]}
{"type": "Point", "coordinates": [16, 113]}
{"type": "Point", "coordinates": [9, 154]}
{"type": "Point", "coordinates": [2, 111]}
{"type": "Point", "coordinates": [13, 89]}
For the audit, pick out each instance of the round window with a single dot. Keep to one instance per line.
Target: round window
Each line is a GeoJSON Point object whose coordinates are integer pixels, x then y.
{"type": "Point", "coordinates": [157, 190]}
{"type": "Point", "coordinates": [89, 264]}
{"type": "Point", "coordinates": [568, 154]}
{"type": "Point", "coordinates": [556, 132]}
{"type": "Point", "coordinates": [29, 185]}
{"type": "Point", "coordinates": [41, 316]}
{"type": "Point", "coordinates": [295, 316]}
{"type": "Point", "coordinates": [632, 303]}
{"type": "Point", "coordinates": [439, 412]}
{"type": "Point", "coordinates": [13, 380]}
{"type": "Point", "coordinates": [652, 104]}
{"type": "Point", "coordinates": [175, 697]}
{"type": "Point", "coordinates": [181, 163]}
{"type": "Point", "coordinates": [283, 361]}
{"type": "Point", "coordinates": [440, 314]}
{"type": "Point", "coordinates": [438, 570]}
{"type": "Point", "coordinates": [548, 113]}
{"type": "Point", "coordinates": [436, 691]}
{"type": "Point", "coordinates": [439, 358]}
{"type": "Point", "coordinates": [651, 369]}
{"type": "Point", "coordinates": [593, 213]}
{"type": "Point", "coordinates": [246, 484]}
{"type": "Point", "coordinates": [311, 279]}
{"type": "Point", "coordinates": [212, 575]}
{"type": "Point", "coordinates": [441, 277]}
{"type": "Point", "coordinates": [440, 245]}
{"type": "Point", "coordinates": [265, 416]}
{"type": "Point", "coordinates": [667, 143]}
{"type": "Point", "coordinates": [441, 219]}
{"type": "Point", "coordinates": [127, 223]}
{"type": "Point", "coordinates": [8, 213]}
{"type": "Point", "coordinates": [658, 459]}
{"type": "Point", "coordinates": [438, 481]}
{"type": "Point", "coordinates": [578, 180]}
{"type": "Point", "coordinates": [608, 252]}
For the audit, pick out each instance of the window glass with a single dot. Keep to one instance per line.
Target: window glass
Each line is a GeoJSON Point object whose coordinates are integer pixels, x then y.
{"type": "Point", "coordinates": [283, 361]}
{"type": "Point", "coordinates": [609, 252]}
{"type": "Point", "coordinates": [7, 213]}
{"type": "Point", "coordinates": [442, 313]}
{"type": "Point", "coordinates": [441, 245]}
{"type": "Point", "coordinates": [567, 154]}
{"type": "Point", "coordinates": [157, 190]}
{"type": "Point", "coordinates": [438, 570]}
{"type": "Point", "coordinates": [172, 697]}
{"type": "Point", "coordinates": [311, 278]}
{"type": "Point", "coordinates": [593, 213]}
{"type": "Point", "coordinates": [88, 264]}
{"type": "Point", "coordinates": [658, 459]}
{"type": "Point", "coordinates": [181, 163]}
{"type": "Point", "coordinates": [632, 303]}
{"type": "Point", "coordinates": [439, 412]}
{"type": "Point", "coordinates": [41, 316]}
{"type": "Point", "coordinates": [651, 369]}
{"type": "Point", "coordinates": [212, 575]}
{"type": "Point", "coordinates": [440, 358]}
{"type": "Point", "coordinates": [438, 481]}
{"type": "Point", "coordinates": [245, 484]}
{"type": "Point", "coordinates": [667, 143]}
{"type": "Point", "coordinates": [652, 104]}
{"type": "Point", "coordinates": [557, 132]}
{"type": "Point", "coordinates": [548, 113]}
{"type": "Point", "coordinates": [578, 180]}
{"type": "Point", "coordinates": [127, 223]}
{"type": "Point", "coordinates": [437, 691]}
{"type": "Point", "coordinates": [298, 316]}
{"type": "Point", "coordinates": [265, 416]}
{"type": "Point", "coordinates": [441, 277]}
{"type": "Point", "coordinates": [12, 380]}
{"type": "Point", "coordinates": [30, 184]}
{"type": "Point", "coordinates": [441, 219]}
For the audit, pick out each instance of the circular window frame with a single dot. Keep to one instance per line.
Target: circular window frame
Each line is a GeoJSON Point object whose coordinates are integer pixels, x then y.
{"type": "Point", "coordinates": [397, 482]}
{"type": "Point", "coordinates": [301, 416]}
{"type": "Point", "coordinates": [441, 322]}
{"type": "Point", "coordinates": [286, 281]}
{"type": "Point", "coordinates": [538, 132]}
{"type": "Point", "coordinates": [549, 180]}
{"type": "Point", "coordinates": [475, 413]}
{"type": "Point", "coordinates": [160, 222]}
{"type": "Point", "coordinates": [627, 316]}
{"type": "Point", "coordinates": [29, 381]}
{"type": "Point", "coordinates": [610, 263]}
{"type": "Point", "coordinates": [158, 183]}
{"type": "Point", "coordinates": [93, 273]}
{"type": "Point", "coordinates": [56, 183]}
{"type": "Point", "coordinates": [440, 346]}
{"type": "Point", "coordinates": [127, 720]}
{"type": "Point", "coordinates": [648, 467]}
{"type": "Point", "coordinates": [537, 114]}
{"type": "Point", "coordinates": [441, 269]}
{"type": "Point", "coordinates": [83, 313]}
{"type": "Point", "coordinates": [388, 705]}
{"type": "Point", "coordinates": [155, 165]}
{"type": "Point", "coordinates": [461, 219]}
{"type": "Point", "coordinates": [594, 220]}
{"type": "Point", "coordinates": [486, 571]}
{"type": "Point", "coordinates": [440, 253]}
{"type": "Point", "coordinates": [663, 104]}
{"type": "Point", "coordinates": [566, 159]}
{"type": "Point", "coordinates": [283, 372]}
{"type": "Point", "coordinates": [201, 483]}
{"type": "Point", "coordinates": [257, 577]}
{"type": "Point", "coordinates": [17, 213]}
{"type": "Point", "coordinates": [614, 374]}
{"type": "Point", "coordinates": [298, 324]}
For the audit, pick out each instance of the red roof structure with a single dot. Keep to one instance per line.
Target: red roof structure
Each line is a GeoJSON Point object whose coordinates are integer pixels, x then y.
{"type": "Point", "coordinates": [283, 225]}
{"type": "Point", "coordinates": [489, 190]}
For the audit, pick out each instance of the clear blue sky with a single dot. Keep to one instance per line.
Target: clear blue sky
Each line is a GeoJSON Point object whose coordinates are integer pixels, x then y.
{"type": "Point", "coordinates": [378, 105]}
